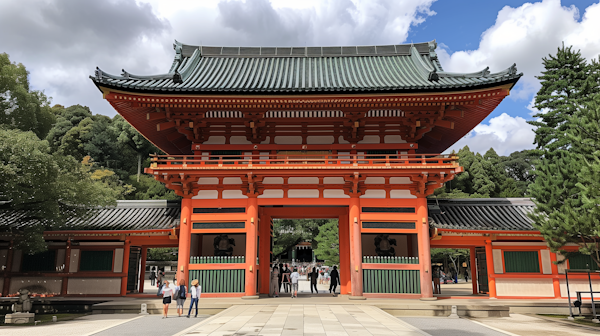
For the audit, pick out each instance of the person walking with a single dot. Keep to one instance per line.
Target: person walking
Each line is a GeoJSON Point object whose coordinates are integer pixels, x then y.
{"type": "Point", "coordinates": [195, 295]}
{"type": "Point", "coordinates": [335, 280]}
{"type": "Point", "coordinates": [167, 293]}
{"type": "Point", "coordinates": [314, 276]}
{"type": "Point", "coordinates": [435, 276]}
{"type": "Point", "coordinates": [286, 278]}
{"type": "Point", "coordinates": [280, 278]}
{"type": "Point", "coordinates": [159, 278]}
{"type": "Point", "coordinates": [294, 278]}
{"type": "Point", "coordinates": [180, 294]}
{"type": "Point", "coordinates": [152, 276]}
{"type": "Point", "coordinates": [274, 285]}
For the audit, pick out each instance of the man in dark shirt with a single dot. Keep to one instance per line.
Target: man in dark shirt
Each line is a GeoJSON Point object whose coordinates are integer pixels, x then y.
{"type": "Point", "coordinates": [335, 280]}
{"type": "Point", "coordinates": [313, 276]}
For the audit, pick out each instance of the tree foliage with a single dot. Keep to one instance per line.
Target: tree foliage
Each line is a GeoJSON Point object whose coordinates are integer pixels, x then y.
{"type": "Point", "coordinates": [328, 242]}
{"type": "Point", "coordinates": [287, 233]}
{"type": "Point", "coordinates": [565, 190]}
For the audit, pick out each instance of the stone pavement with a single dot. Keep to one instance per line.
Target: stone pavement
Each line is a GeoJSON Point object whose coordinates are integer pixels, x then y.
{"type": "Point", "coordinates": [326, 320]}
{"type": "Point", "coordinates": [152, 325]}
{"type": "Point", "coordinates": [82, 326]}
{"type": "Point", "coordinates": [443, 326]}
{"type": "Point", "coordinates": [532, 326]}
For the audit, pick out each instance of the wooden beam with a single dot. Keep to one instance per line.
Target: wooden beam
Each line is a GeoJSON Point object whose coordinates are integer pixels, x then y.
{"type": "Point", "coordinates": [455, 113]}
{"type": "Point", "coordinates": [445, 123]}
{"type": "Point", "coordinates": [174, 136]}
{"type": "Point", "coordinates": [165, 126]}
{"type": "Point", "coordinates": [156, 116]}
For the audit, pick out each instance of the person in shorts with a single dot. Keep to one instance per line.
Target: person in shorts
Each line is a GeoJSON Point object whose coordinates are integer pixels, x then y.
{"type": "Point", "coordinates": [294, 278]}
{"type": "Point", "coordinates": [181, 294]}
{"type": "Point", "coordinates": [167, 292]}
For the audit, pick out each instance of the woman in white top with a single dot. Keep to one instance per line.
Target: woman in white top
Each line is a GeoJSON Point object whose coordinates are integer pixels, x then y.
{"type": "Point", "coordinates": [195, 291]}
{"type": "Point", "coordinates": [167, 295]}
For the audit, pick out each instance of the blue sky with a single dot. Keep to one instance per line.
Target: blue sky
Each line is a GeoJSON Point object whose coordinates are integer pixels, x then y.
{"type": "Point", "coordinates": [62, 41]}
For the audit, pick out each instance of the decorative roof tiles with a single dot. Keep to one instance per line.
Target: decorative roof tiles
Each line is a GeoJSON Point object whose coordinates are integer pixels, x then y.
{"type": "Point", "coordinates": [387, 68]}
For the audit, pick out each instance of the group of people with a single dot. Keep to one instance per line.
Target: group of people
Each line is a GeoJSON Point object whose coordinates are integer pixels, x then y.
{"type": "Point", "coordinates": [156, 276]}
{"type": "Point", "coordinates": [283, 275]}
{"type": "Point", "coordinates": [438, 276]}
{"type": "Point", "coordinates": [179, 293]}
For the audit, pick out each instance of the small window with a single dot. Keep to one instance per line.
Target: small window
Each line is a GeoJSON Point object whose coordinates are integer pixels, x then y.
{"type": "Point", "coordinates": [582, 261]}
{"type": "Point", "coordinates": [521, 262]}
{"type": "Point", "coordinates": [96, 260]}
{"type": "Point", "coordinates": [40, 262]}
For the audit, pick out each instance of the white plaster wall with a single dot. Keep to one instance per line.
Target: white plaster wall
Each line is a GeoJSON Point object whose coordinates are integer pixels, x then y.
{"type": "Point", "coordinates": [215, 140]}
{"type": "Point", "coordinates": [207, 194]}
{"type": "Point", "coordinates": [96, 286]}
{"type": "Point", "coordinates": [400, 180]}
{"type": "Point", "coordinates": [239, 140]}
{"type": "Point", "coordinates": [38, 285]}
{"type": "Point", "coordinates": [579, 285]}
{"type": "Point", "coordinates": [320, 140]}
{"type": "Point", "coordinates": [16, 265]}
{"type": "Point", "coordinates": [232, 180]}
{"type": "Point", "coordinates": [118, 264]}
{"type": "Point", "coordinates": [370, 139]}
{"type": "Point", "coordinates": [401, 194]}
{"type": "Point", "coordinates": [373, 193]}
{"type": "Point", "coordinates": [288, 140]}
{"type": "Point", "coordinates": [546, 263]}
{"type": "Point", "coordinates": [303, 180]}
{"type": "Point", "coordinates": [562, 266]}
{"type": "Point", "coordinates": [375, 180]}
{"type": "Point", "coordinates": [498, 266]}
{"type": "Point", "coordinates": [524, 287]}
{"type": "Point", "coordinates": [74, 261]}
{"type": "Point", "coordinates": [334, 180]}
{"type": "Point", "coordinates": [334, 193]}
{"type": "Point", "coordinates": [272, 193]}
{"type": "Point", "coordinates": [273, 180]}
{"type": "Point", "coordinates": [208, 180]}
{"type": "Point", "coordinates": [303, 193]}
{"type": "Point", "coordinates": [233, 194]}
{"type": "Point", "coordinates": [267, 140]}
{"type": "Point", "coordinates": [393, 139]}
{"type": "Point", "coordinates": [342, 140]}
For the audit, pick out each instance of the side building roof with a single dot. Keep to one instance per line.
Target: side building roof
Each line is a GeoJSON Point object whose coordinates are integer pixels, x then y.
{"type": "Point", "coordinates": [126, 215]}
{"type": "Point", "coordinates": [305, 70]}
{"type": "Point", "coordinates": [501, 214]}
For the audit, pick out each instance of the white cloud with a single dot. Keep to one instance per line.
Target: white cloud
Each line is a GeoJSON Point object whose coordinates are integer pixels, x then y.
{"type": "Point", "coordinates": [504, 133]}
{"type": "Point", "coordinates": [526, 34]}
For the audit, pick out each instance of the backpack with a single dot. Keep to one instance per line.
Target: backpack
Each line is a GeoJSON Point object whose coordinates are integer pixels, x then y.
{"type": "Point", "coordinates": [182, 293]}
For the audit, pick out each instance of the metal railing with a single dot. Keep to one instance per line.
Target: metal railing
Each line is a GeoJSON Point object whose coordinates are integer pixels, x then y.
{"type": "Point", "coordinates": [407, 161]}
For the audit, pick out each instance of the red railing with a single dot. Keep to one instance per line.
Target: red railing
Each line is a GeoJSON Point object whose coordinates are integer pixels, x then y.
{"type": "Point", "coordinates": [401, 161]}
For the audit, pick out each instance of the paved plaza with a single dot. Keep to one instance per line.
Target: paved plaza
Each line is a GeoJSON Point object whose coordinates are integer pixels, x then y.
{"type": "Point", "coordinates": [299, 319]}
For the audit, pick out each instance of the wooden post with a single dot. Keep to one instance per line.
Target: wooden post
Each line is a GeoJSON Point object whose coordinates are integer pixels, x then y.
{"type": "Point", "coordinates": [143, 269]}
{"type": "Point", "coordinates": [252, 212]}
{"type": "Point", "coordinates": [125, 267]}
{"type": "Point", "coordinates": [265, 253]}
{"type": "Point", "coordinates": [185, 237]}
{"type": "Point", "coordinates": [424, 250]}
{"type": "Point", "coordinates": [355, 247]}
{"type": "Point", "coordinates": [489, 258]}
{"type": "Point", "coordinates": [8, 271]}
{"type": "Point", "coordinates": [473, 264]}
{"type": "Point", "coordinates": [65, 279]}
{"type": "Point", "coordinates": [555, 276]}
{"type": "Point", "coordinates": [345, 269]}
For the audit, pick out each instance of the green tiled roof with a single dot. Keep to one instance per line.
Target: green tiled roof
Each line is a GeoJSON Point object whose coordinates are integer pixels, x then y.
{"type": "Point", "coordinates": [305, 70]}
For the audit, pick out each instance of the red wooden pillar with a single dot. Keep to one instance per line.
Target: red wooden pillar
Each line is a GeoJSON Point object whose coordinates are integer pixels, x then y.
{"type": "Point", "coordinates": [355, 247]}
{"type": "Point", "coordinates": [489, 258]}
{"type": "Point", "coordinates": [251, 226]}
{"type": "Point", "coordinates": [555, 276]}
{"type": "Point", "coordinates": [8, 271]}
{"type": "Point", "coordinates": [264, 247]}
{"type": "Point", "coordinates": [473, 264]}
{"type": "Point", "coordinates": [185, 237]}
{"type": "Point", "coordinates": [143, 269]}
{"type": "Point", "coordinates": [125, 267]}
{"type": "Point", "coordinates": [424, 249]}
{"type": "Point", "coordinates": [65, 279]}
{"type": "Point", "coordinates": [345, 270]}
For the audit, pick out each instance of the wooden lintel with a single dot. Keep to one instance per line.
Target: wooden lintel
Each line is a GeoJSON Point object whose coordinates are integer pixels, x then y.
{"type": "Point", "coordinates": [165, 126]}
{"type": "Point", "coordinates": [457, 113]}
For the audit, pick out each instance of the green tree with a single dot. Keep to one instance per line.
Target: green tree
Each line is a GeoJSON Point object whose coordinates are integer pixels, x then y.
{"type": "Point", "coordinates": [482, 183]}
{"type": "Point", "coordinates": [147, 188]}
{"type": "Point", "coordinates": [131, 139]}
{"type": "Point", "coordinates": [162, 254]}
{"type": "Point", "coordinates": [289, 232]}
{"type": "Point", "coordinates": [563, 188]}
{"type": "Point", "coordinates": [20, 107]}
{"type": "Point", "coordinates": [46, 186]}
{"type": "Point", "coordinates": [328, 243]}
{"type": "Point", "coordinates": [492, 162]}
